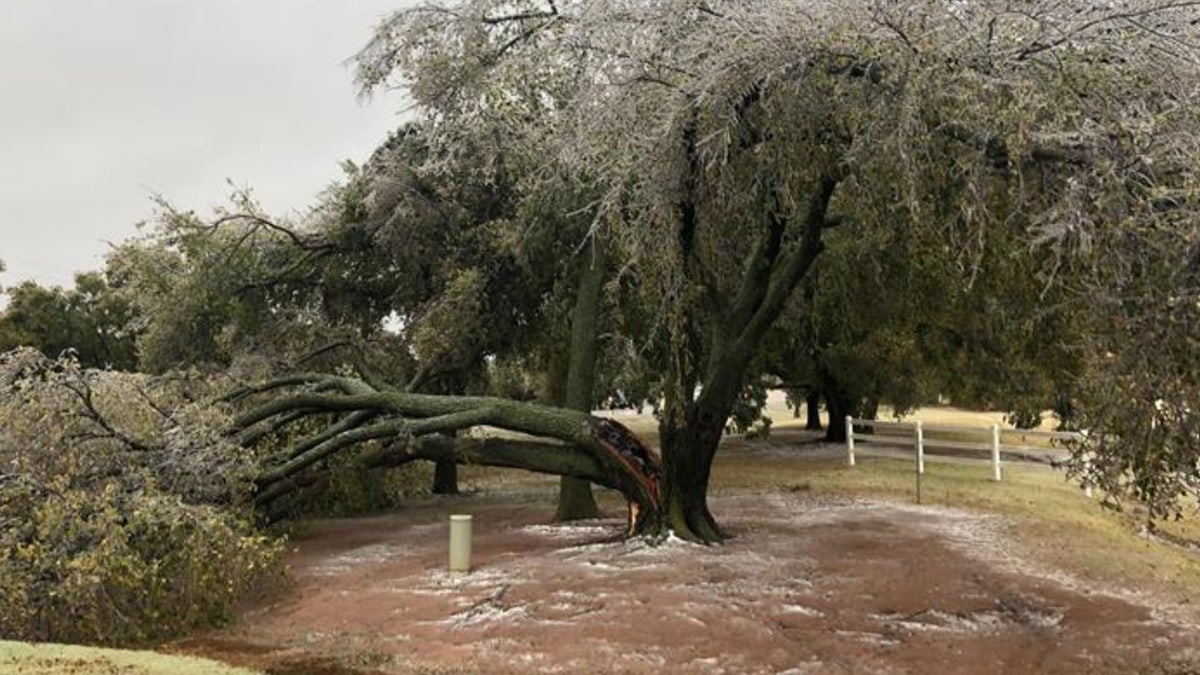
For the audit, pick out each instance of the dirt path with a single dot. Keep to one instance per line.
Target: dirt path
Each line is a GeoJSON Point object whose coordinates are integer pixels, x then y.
{"type": "Point", "coordinates": [806, 587]}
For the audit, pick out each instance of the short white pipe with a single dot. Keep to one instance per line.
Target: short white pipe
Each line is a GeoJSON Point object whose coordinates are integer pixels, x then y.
{"type": "Point", "coordinates": [920, 448]}
{"type": "Point", "coordinates": [996, 453]}
{"type": "Point", "coordinates": [460, 543]}
{"type": "Point", "coordinates": [850, 440]}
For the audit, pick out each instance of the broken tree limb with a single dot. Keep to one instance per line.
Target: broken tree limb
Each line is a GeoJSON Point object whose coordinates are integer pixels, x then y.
{"type": "Point", "coordinates": [409, 426]}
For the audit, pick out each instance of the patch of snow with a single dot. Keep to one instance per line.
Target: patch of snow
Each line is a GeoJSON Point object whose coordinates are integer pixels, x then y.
{"type": "Point", "coordinates": [575, 530]}
{"type": "Point", "coordinates": [372, 554]}
{"type": "Point", "coordinates": [984, 537]}
{"type": "Point", "coordinates": [867, 637]}
{"type": "Point", "coordinates": [814, 665]}
{"type": "Point", "coordinates": [972, 622]}
{"type": "Point", "coordinates": [802, 611]}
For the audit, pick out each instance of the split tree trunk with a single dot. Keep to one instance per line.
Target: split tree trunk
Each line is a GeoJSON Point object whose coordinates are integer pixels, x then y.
{"type": "Point", "coordinates": [688, 450]}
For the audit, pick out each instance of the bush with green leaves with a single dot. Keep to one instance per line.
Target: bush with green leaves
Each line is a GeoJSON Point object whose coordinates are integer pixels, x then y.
{"type": "Point", "coordinates": [124, 512]}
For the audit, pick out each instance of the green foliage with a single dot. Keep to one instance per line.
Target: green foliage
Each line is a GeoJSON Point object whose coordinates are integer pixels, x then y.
{"type": "Point", "coordinates": [90, 320]}
{"type": "Point", "coordinates": [748, 415]}
{"type": "Point", "coordinates": [104, 566]}
{"type": "Point", "coordinates": [194, 291]}
{"type": "Point", "coordinates": [347, 489]}
{"type": "Point", "coordinates": [123, 511]}
{"type": "Point", "coordinates": [977, 129]}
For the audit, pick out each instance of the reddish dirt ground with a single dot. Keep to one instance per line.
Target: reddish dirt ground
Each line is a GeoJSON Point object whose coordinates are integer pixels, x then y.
{"type": "Point", "coordinates": [806, 586]}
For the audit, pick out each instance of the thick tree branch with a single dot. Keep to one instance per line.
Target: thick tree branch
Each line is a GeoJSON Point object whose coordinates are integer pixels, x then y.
{"type": "Point", "coordinates": [522, 16]}
{"type": "Point", "coordinates": [540, 456]}
{"type": "Point", "coordinates": [998, 154]}
{"type": "Point", "coordinates": [689, 217]}
{"type": "Point", "coordinates": [625, 462]}
{"type": "Point", "coordinates": [251, 437]}
{"type": "Point", "coordinates": [247, 391]}
{"type": "Point", "coordinates": [758, 266]}
{"type": "Point", "coordinates": [347, 423]}
{"type": "Point", "coordinates": [791, 268]}
{"type": "Point", "coordinates": [389, 429]}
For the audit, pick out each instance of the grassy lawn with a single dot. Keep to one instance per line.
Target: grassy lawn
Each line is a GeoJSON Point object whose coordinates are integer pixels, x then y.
{"type": "Point", "coordinates": [48, 659]}
{"type": "Point", "coordinates": [1053, 522]}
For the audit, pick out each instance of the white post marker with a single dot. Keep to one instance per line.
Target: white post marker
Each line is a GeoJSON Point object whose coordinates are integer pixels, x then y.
{"type": "Point", "coordinates": [920, 448]}
{"type": "Point", "coordinates": [996, 452]}
{"type": "Point", "coordinates": [850, 440]}
{"type": "Point", "coordinates": [460, 543]}
{"type": "Point", "coordinates": [1087, 464]}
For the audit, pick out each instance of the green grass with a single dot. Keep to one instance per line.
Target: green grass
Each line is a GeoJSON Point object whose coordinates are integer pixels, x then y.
{"type": "Point", "coordinates": [52, 659]}
{"type": "Point", "coordinates": [1054, 523]}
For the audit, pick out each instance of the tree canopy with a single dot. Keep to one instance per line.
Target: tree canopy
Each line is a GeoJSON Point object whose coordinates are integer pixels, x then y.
{"type": "Point", "coordinates": [724, 139]}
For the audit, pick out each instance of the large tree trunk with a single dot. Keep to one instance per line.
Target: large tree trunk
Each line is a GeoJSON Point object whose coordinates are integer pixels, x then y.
{"type": "Point", "coordinates": [688, 451]}
{"type": "Point", "coordinates": [812, 403]}
{"type": "Point", "coordinates": [445, 478]}
{"type": "Point", "coordinates": [839, 406]}
{"type": "Point", "coordinates": [575, 498]}
{"type": "Point", "coordinates": [691, 429]}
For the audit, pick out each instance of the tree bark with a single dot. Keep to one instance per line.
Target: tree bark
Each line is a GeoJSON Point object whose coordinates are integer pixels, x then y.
{"type": "Point", "coordinates": [840, 404]}
{"type": "Point", "coordinates": [812, 403]}
{"type": "Point", "coordinates": [409, 425]}
{"type": "Point", "coordinates": [688, 451]}
{"type": "Point", "coordinates": [575, 498]}
{"type": "Point", "coordinates": [838, 408]}
{"type": "Point", "coordinates": [445, 478]}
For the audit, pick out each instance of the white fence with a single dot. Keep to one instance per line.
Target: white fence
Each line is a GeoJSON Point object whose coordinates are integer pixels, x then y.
{"type": "Point", "coordinates": [912, 434]}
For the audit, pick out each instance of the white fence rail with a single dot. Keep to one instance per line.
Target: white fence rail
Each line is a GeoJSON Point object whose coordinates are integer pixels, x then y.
{"type": "Point", "coordinates": [912, 434]}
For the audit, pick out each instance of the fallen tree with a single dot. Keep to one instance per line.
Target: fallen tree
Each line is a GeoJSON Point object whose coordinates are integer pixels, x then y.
{"type": "Point", "coordinates": [407, 427]}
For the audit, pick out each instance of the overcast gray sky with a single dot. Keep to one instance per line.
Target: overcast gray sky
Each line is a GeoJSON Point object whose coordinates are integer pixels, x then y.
{"type": "Point", "coordinates": [103, 103]}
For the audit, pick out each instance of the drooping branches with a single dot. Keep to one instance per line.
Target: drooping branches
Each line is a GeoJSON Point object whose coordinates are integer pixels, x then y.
{"type": "Point", "coordinates": [723, 138]}
{"type": "Point", "coordinates": [407, 427]}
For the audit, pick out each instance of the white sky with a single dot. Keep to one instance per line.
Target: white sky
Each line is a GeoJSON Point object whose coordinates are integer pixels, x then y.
{"type": "Point", "coordinates": [104, 103]}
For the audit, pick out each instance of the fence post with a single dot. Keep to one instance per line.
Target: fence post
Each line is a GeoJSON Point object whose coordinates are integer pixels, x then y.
{"type": "Point", "coordinates": [920, 448]}
{"type": "Point", "coordinates": [1087, 464]}
{"type": "Point", "coordinates": [996, 452]}
{"type": "Point", "coordinates": [850, 440]}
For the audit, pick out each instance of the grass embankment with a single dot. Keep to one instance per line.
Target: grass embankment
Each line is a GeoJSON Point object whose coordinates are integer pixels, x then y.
{"type": "Point", "coordinates": [47, 659]}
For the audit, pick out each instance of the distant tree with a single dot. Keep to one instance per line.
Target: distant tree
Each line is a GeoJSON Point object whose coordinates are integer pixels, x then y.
{"type": "Point", "coordinates": [88, 319]}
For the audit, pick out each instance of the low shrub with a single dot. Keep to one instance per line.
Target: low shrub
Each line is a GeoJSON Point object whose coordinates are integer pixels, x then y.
{"type": "Point", "coordinates": [115, 568]}
{"type": "Point", "coordinates": [124, 514]}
